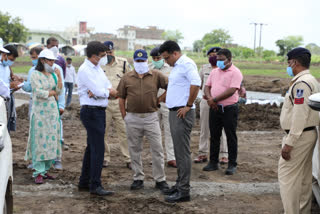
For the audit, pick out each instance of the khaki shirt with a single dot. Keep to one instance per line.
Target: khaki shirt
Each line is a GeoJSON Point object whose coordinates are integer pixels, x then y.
{"type": "Point", "coordinates": [141, 93]}
{"type": "Point", "coordinates": [296, 115]}
{"type": "Point", "coordinates": [165, 69]}
{"type": "Point", "coordinates": [114, 72]}
{"type": "Point", "coordinates": [204, 74]}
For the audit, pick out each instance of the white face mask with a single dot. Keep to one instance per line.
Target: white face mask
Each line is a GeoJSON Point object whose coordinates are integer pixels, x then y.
{"type": "Point", "coordinates": [55, 51]}
{"type": "Point", "coordinates": [103, 61]}
{"type": "Point", "coordinates": [141, 67]}
{"type": "Point", "coordinates": [48, 68]}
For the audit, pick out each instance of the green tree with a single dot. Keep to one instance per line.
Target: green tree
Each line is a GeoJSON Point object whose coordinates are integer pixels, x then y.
{"type": "Point", "coordinates": [174, 35]}
{"type": "Point", "coordinates": [288, 43]}
{"type": "Point", "coordinates": [12, 29]}
{"type": "Point", "coordinates": [313, 48]}
{"type": "Point", "coordinates": [198, 45]}
{"type": "Point", "coordinates": [217, 36]}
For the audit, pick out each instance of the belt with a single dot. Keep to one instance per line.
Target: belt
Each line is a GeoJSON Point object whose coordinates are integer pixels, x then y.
{"type": "Point", "coordinates": [306, 129]}
{"type": "Point", "coordinates": [176, 108]}
{"type": "Point", "coordinates": [94, 107]}
{"type": "Point", "coordinates": [141, 115]}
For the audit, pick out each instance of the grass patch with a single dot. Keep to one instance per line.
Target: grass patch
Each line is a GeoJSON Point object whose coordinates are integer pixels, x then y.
{"type": "Point", "coordinates": [21, 69]}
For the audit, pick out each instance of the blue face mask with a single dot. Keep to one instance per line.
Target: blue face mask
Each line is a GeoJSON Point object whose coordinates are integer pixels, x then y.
{"type": "Point", "coordinates": [7, 62]}
{"type": "Point", "coordinates": [35, 62]}
{"type": "Point", "coordinates": [220, 64]}
{"type": "Point", "coordinates": [290, 71]}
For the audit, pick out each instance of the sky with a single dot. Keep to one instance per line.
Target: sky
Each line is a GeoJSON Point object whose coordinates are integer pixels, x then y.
{"type": "Point", "coordinates": [192, 18]}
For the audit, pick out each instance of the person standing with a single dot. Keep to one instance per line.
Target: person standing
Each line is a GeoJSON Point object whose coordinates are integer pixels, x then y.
{"type": "Point", "coordinates": [70, 80]}
{"type": "Point", "coordinates": [159, 64]}
{"type": "Point", "coordinates": [44, 132]}
{"type": "Point", "coordinates": [299, 122]}
{"type": "Point", "coordinates": [115, 70]}
{"type": "Point", "coordinates": [94, 89]}
{"type": "Point", "coordinates": [53, 45]}
{"type": "Point", "coordinates": [183, 88]}
{"type": "Point", "coordinates": [204, 113]}
{"type": "Point", "coordinates": [221, 91]}
{"type": "Point", "coordinates": [138, 91]}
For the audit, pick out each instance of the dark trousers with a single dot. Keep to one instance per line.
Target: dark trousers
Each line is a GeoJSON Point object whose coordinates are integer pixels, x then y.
{"type": "Point", "coordinates": [227, 119]}
{"type": "Point", "coordinates": [94, 120]}
{"type": "Point", "coordinates": [180, 131]}
{"type": "Point", "coordinates": [69, 88]}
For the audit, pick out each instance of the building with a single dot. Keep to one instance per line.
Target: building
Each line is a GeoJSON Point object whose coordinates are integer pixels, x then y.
{"type": "Point", "coordinates": [140, 37]}
{"type": "Point", "coordinates": [41, 36]}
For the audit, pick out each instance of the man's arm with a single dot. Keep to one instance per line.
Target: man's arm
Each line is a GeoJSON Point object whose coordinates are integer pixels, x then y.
{"type": "Point", "coordinates": [194, 89]}
{"type": "Point", "coordinates": [226, 94]}
{"type": "Point", "coordinates": [122, 106]}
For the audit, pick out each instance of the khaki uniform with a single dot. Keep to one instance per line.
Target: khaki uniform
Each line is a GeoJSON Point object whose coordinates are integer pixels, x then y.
{"type": "Point", "coordinates": [114, 73]}
{"type": "Point", "coordinates": [163, 114]}
{"type": "Point", "coordinates": [204, 119]}
{"type": "Point", "coordinates": [295, 175]}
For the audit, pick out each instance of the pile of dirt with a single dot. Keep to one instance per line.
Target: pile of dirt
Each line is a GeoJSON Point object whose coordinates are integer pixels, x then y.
{"type": "Point", "coordinates": [266, 84]}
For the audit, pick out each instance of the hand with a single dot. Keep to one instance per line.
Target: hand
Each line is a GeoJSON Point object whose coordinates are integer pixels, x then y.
{"type": "Point", "coordinates": [183, 111]}
{"type": "Point", "coordinates": [204, 97]}
{"type": "Point", "coordinates": [14, 85]}
{"type": "Point", "coordinates": [90, 94]}
{"type": "Point", "coordinates": [75, 85]}
{"type": "Point", "coordinates": [113, 92]}
{"type": "Point", "coordinates": [61, 111]}
{"type": "Point", "coordinates": [123, 115]}
{"type": "Point", "coordinates": [212, 104]}
{"type": "Point", "coordinates": [57, 71]}
{"type": "Point", "coordinates": [56, 97]}
{"type": "Point", "coordinates": [285, 152]}
{"type": "Point", "coordinates": [52, 93]}
{"type": "Point", "coordinates": [17, 78]}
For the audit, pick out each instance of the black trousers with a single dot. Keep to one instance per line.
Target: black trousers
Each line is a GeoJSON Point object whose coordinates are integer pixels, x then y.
{"type": "Point", "coordinates": [94, 120]}
{"type": "Point", "coordinates": [227, 119]}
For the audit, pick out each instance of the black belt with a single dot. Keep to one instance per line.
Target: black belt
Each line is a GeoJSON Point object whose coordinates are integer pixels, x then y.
{"type": "Point", "coordinates": [306, 129]}
{"type": "Point", "coordinates": [176, 108]}
{"type": "Point", "coordinates": [94, 107]}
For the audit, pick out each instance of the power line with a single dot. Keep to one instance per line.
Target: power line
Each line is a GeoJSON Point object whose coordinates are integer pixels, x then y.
{"type": "Point", "coordinates": [255, 32]}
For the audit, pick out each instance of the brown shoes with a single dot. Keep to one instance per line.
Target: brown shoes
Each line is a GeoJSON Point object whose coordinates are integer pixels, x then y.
{"type": "Point", "coordinates": [201, 159]}
{"type": "Point", "coordinates": [172, 163]}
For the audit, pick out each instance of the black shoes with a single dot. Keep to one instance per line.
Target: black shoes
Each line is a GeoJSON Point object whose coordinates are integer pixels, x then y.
{"type": "Point", "coordinates": [170, 191]}
{"type": "Point", "coordinates": [231, 170]}
{"type": "Point", "coordinates": [101, 192]}
{"type": "Point", "coordinates": [163, 186]}
{"type": "Point", "coordinates": [211, 167]}
{"type": "Point", "coordinates": [83, 188]}
{"type": "Point", "coordinates": [137, 184]}
{"type": "Point", "coordinates": [178, 197]}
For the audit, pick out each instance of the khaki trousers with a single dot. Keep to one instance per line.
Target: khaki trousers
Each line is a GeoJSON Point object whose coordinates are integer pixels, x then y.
{"type": "Point", "coordinates": [205, 132]}
{"type": "Point", "coordinates": [295, 175]}
{"type": "Point", "coordinates": [113, 114]}
{"type": "Point", "coordinates": [139, 125]}
{"type": "Point", "coordinates": [164, 122]}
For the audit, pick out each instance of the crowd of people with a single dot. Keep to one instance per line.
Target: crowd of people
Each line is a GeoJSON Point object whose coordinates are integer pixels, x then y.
{"type": "Point", "coordinates": [142, 101]}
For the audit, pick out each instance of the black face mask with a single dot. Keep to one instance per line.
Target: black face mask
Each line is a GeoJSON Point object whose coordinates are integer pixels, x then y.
{"type": "Point", "coordinates": [110, 58]}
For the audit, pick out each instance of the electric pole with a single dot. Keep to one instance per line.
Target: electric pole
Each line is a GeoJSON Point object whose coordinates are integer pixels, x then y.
{"type": "Point", "coordinates": [255, 31]}
{"type": "Point", "coordinates": [261, 34]}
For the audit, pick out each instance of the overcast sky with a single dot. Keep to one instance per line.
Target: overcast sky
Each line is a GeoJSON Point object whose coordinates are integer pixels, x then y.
{"type": "Point", "coordinates": [193, 18]}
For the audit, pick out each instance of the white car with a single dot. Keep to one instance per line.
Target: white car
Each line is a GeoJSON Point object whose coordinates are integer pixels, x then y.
{"type": "Point", "coordinates": [6, 199]}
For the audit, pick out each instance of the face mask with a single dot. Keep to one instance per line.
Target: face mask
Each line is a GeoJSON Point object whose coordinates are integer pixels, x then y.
{"type": "Point", "coordinates": [290, 71]}
{"type": "Point", "coordinates": [103, 61]}
{"type": "Point", "coordinates": [7, 63]}
{"type": "Point", "coordinates": [220, 64]}
{"type": "Point", "coordinates": [55, 51]}
{"type": "Point", "coordinates": [213, 60]}
{"type": "Point", "coordinates": [158, 64]}
{"type": "Point", "coordinates": [110, 58]}
{"type": "Point", "coordinates": [141, 67]}
{"type": "Point", "coordinates": [35, 62]}
{"type": "Point", "coordinates": [48, 68]}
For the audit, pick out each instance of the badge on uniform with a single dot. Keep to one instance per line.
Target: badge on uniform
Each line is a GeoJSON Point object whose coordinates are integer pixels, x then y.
{"type": "Point", "coordinates": [299, 99]}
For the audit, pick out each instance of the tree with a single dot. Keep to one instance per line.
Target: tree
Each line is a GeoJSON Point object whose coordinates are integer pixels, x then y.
{"type": "Point", "coordinates": [217, 36]}
{"type": "Point", "coordinates": [288, 43]}
{"type": "Point", "coordinates": [12, 29]}
{"type": "Point", "coordinates": [313, 48]}
{"type": "Point", "coordinates": [174, 35]}
{"type": "Point", "coordinates": [198, 45]}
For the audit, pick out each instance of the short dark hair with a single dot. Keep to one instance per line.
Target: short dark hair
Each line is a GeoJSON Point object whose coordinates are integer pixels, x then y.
{"type": "Point", "coordinates": [170, 47]}
{"type": "Point", "coordinates": [35, 49]}
{"type": "Point", "coordinates": [51, 39]}
{"type": "Point", "coordinates": [13, 50]}
{"type": "Point", "coordinates": [226, 52]}
{"type": "Point", "coordinates": [304, 60]}
{"type": "Point", "coordinates": [94, 48]}
{"type": "Point", "coordinates": [68, 58]}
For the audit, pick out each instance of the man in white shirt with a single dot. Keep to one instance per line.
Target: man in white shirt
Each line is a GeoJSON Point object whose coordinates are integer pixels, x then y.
{"type": "Point", "coordinates": [70, 80]}
{"type": "Point", "coordinates": [94, 90]}
{"type": "Point", "coordinates": [183, 88]}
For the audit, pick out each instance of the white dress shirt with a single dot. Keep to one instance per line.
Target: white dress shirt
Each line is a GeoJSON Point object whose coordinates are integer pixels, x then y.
{"type": "Point", "coordinates": [5, 73]}
{"type": "Point", "coordinates": [71, 75]}
{"type": "Point", "coordinates": [183, 75]}
{"type": "Point", "coordinates": [91, 77]}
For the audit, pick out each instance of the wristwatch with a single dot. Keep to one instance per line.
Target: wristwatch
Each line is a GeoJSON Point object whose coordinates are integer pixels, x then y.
{"type": "Point", "coordinates": [189, 105]}
{"type": "Point", "coordinates": [215, 100]}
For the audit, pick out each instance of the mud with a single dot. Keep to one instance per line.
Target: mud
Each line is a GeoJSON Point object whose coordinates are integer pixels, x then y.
{"type": "Point", "coordinates": [253, 189]}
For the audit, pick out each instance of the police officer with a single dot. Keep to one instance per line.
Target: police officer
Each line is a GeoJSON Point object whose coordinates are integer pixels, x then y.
{"type": "Point", "coordinates": [159, 64]}
{"type": "Point", "coordinates": [114, 70]}
{"type": "Point", "coordinates": [299, 122]}
{"type": "Point", "coordinates": [204, 113]}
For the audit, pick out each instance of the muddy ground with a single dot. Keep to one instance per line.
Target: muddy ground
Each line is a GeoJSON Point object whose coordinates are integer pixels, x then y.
{"type": "Point", "coordinates": [253, 189]}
